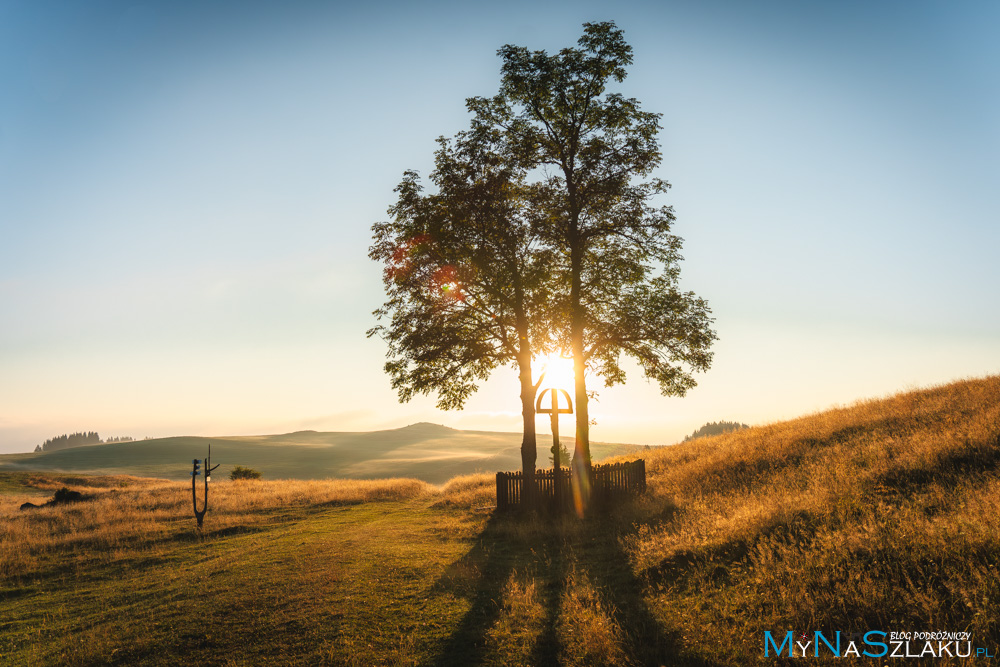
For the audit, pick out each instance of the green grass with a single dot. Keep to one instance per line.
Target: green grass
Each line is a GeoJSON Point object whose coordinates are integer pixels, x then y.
{"type": "Point", "coordinates": [312, 587]}
{"type": "Point", "coordinates": [19, 483]}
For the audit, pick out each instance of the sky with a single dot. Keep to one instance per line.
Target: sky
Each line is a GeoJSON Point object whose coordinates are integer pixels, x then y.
{"type": "Point", "coordinates": [187, 191]}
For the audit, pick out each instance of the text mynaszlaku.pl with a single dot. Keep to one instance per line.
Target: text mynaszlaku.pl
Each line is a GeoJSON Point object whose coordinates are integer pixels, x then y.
{"type": "Point", "coordinates": [874, 644]}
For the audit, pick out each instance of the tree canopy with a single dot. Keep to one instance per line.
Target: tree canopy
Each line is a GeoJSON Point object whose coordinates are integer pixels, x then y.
{"type": "Point", "coordinates": [544, 233]}
{"type": "Point", "coordinates": [70, 440]}
{"type": "Point", "coordinates": [467, 277]}
{"type": "Point", "coordinates": [594, 153]}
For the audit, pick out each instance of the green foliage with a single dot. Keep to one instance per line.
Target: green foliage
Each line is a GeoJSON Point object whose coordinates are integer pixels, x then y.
{"type": "Point", "coordinates": [564, 456]}
{"type": "Point", "coordinates": [465, 275]}
{"type": "Point", "coordinates": [715, 428]}
{"type": "Point", "coordinates": [617, 262]}
{"type": "Point", "coordinates": [542, 235]}
{"type": "Point", "coordinates": [240, 473]}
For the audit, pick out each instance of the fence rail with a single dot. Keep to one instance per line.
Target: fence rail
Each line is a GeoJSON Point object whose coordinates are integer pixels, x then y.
{"type": "Point", "coordinates": [610, 482]}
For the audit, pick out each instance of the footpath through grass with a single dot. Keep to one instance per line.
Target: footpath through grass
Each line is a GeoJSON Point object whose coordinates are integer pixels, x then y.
{"type": "Point", "coordinates": [411, 581]}
{"type": "Point", "coordinates": [333, 585]}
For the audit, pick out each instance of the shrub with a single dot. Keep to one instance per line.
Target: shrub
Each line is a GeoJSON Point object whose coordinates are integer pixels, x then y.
{"type": "Point", "coordinates": [64, 495]}
{"type": "Point", "coordinates": [239, 472]}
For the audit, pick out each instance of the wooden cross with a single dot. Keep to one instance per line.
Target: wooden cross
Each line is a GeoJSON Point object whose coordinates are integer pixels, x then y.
{"type": "Point", "coordinates": [554, 413]}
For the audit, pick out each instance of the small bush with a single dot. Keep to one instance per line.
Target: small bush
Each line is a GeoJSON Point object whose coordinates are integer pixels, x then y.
{"type": "Point", "coordinates": [64, 495]}
{"type": "Point", "coordinates": [239, 472]}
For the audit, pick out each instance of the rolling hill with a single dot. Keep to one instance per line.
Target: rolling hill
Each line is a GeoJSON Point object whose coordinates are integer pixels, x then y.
{"type": "Point", "coordinates": [423, 451]}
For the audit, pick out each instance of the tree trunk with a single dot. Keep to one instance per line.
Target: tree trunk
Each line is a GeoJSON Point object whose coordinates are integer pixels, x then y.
{"type": "Point", "coordinates": [581, 469]}
{"type": "Point", "coordinates": [582, 409]}
{"type": "Point", "coordinates": [529, 445]}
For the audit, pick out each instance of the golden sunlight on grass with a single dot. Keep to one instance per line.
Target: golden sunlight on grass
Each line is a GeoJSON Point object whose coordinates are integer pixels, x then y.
{"type": "Point", "coordinates": [469, 492]}
{"type": "Point", "coordinates": [129, 512]}
{"type": "Point", "coordinates": [880, 515]}
{"type": "Point", "coordinates": [512, 638]}
{"type": "Point", "coordinates": [588, 633]}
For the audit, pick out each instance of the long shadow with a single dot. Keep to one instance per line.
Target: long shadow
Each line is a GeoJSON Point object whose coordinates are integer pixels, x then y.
{"type": "Point", "coordinates": [481, 575]}
{"type": "Point", "coordinates": [646, 640]}
{"type": "Point", "coordinates": [547, 550]}
{"type": "Point", "coordinates": [556, 561]}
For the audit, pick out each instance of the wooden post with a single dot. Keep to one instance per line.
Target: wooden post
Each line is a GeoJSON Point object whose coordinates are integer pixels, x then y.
{"type": "Point", "coordinates": [200, 515]}
{"type": "Point", "coordinates": [556, 446]}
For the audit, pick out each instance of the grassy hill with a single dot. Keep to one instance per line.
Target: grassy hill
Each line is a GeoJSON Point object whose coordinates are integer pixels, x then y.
{"type": "Point", "coordinates": [428, 452]}
{"type": "Point", "coordinates": [878, 516]}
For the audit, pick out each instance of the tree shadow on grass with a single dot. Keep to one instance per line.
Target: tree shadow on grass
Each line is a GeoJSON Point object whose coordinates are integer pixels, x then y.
{"type": "Point", "coordinates": [547, 550]}
{"type": "Point", "coordinates": [481, 575]}
{"type": "Point", "coordinates": [645, 640]}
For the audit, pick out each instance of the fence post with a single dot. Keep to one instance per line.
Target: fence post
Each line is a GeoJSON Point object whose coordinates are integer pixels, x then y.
{"type": "Point", "coordinates": [610, 480]}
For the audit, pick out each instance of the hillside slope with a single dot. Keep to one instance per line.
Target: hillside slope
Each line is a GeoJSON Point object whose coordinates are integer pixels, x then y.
{"type": "Point", "coordinates": [428, 452]}
{"type": "Point", "coordinates": [879, 516]}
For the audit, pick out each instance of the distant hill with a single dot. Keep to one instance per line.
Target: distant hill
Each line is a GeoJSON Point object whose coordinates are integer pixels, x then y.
{"type": "Point", "coordinates": [429, 452]}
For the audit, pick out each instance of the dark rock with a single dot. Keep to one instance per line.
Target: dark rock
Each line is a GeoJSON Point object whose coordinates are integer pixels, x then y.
{"type": "Point", "coordinates": [30, 506]}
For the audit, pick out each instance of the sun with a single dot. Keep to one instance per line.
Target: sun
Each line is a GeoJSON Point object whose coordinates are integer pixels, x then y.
{"type": "Point", "coordinates": [558, 370]}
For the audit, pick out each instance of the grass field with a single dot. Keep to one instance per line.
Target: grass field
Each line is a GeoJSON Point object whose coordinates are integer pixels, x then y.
{"type": "Point", "coordinates": [429, 452]}
{"type": "Point", "coordinates": [878, 516]}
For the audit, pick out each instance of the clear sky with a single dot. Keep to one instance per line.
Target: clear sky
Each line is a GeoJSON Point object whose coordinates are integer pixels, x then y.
{"type": "Point", "coordinates": [187, 191]}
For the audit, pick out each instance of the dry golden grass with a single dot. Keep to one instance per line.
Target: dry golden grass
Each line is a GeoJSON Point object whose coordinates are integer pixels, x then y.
{"type": "Point", "coordinates": [469, 492]}
{"type": "Point", "coordinates": [881, 515]}
{"type": "Point", "coordinates": [584, 630]}
{"type": "Point", "coordinates": [129, 512]}
{"type": "Point", "coordinates": [512, 638]}
{"type": "Point", "coordinates": [588, 633]}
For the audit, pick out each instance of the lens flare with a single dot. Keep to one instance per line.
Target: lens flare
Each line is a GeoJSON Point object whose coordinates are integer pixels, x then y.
{"type": "Point", "coordinates": [558, 371]}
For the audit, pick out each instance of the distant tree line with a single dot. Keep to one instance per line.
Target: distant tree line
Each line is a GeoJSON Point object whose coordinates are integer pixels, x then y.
{"type": "Point", "coordinates": [77, 439]}
{"type": "Point", "coordinates": [716, 428]}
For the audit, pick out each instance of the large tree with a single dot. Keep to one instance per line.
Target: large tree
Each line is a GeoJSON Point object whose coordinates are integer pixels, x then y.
{"type": "Point", "coordinates": [594, 154]}
{"type": "Point", "coordinates": [467, 279]}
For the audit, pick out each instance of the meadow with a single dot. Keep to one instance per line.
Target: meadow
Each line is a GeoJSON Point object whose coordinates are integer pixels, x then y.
{"type": "Point", "coordinates": [881, 515]}
{"type": "Point", "coordinates": [430, 452]}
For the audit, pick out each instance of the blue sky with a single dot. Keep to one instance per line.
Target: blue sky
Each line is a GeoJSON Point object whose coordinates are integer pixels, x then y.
{"type": "Point", "coordinates": [187, 191]}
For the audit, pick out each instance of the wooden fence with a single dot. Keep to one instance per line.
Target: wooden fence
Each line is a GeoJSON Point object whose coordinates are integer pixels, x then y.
{"type": "Point", "coordinates": [611, 481]}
